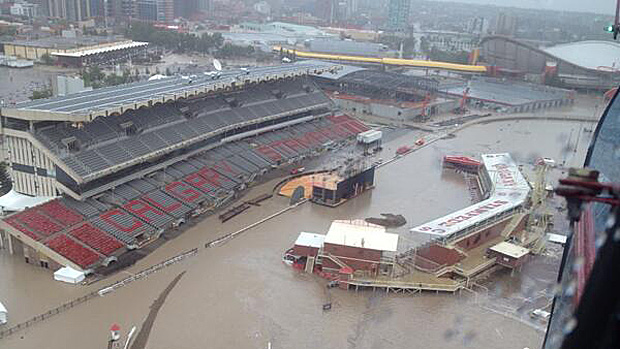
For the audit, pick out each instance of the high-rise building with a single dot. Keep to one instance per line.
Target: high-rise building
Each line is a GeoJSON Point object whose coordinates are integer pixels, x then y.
{"type": "Point", "coordinates": [506, 25]}
{"type": "Point", "coordinates": [71, 10]}
{"type": "Point", "coordinates": [398, 14]}
{"type": "Point", "coordinates": [117, 10]}
{"type": "Point", "coordinates": [185, 8]}
{"type": "Point", "coordinates": [205, 5]}
{"type": "Point", "coordinates": [478, 25]}
{"type": "Point", "coordinates": [154, 10]}
{"type": "Point", "coordinates": [326, 9]}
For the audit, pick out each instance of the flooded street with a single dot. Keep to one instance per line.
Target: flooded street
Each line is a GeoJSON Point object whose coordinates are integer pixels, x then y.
{"type": "Point", "coordinates": [240, 295]}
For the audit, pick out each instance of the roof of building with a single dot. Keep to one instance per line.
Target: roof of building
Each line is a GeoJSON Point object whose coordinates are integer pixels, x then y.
{"type": "Point", "coordinates": [310, 240]}
{"type": "Point", "coordinates": [63, 43]}
{"type": "Point", "coordinates": [510, 249]}
{"type": "Point", "coordinates": [510, 189]}
{"type": "Point", "coordinates": [593, 54]}
{"type": "Point", "coordinates": [105, 101]}
{"type": "Point", "coordinates": [358, 233]}
{"type": "Point", "coordinates": [508, 93]}
{"type": "Point", "coordinates": [102, 49]}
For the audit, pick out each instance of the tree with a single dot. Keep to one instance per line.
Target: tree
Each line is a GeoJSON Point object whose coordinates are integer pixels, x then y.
{"type": "Point", "coordinates": [47, 59]}
{"type": "Point", "coordinates": [40, 94]}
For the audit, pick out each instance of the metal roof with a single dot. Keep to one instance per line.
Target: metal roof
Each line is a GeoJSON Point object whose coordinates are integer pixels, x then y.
{"type": "Point", "coordinates": [358, 233]}
{"type": "Point", "coordinates": [510, 250]}
{"type": "Point", "coordinates": [593, 54]}
{"type": "Point", "coordinates": [104, 101]}
{"type": "Point", "coordinates": [103, 49]}
{"type": "Point", "coordinates": [310, 240]}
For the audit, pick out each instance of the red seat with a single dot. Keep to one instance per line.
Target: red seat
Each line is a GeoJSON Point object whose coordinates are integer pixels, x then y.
{"type": "Point", "coordinates": [37, 222]}
{"type": "Point", "coordinates": [61, 213]}
{"type": "Point", "coordinates": [96, 239]}
{"type": "Point", "coordinates": [73, 251]}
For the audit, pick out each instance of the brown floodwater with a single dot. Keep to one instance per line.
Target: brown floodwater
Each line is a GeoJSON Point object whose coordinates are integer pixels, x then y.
{"type": "Point", "coordinates": [240, 295]}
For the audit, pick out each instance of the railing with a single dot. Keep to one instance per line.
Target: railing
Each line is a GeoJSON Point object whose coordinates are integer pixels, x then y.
{"type": "Point", "coordinates": [99, 293]}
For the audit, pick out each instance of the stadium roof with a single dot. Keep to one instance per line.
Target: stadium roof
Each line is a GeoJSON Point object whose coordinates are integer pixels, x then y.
{"type": "Point", "coordinates": [102, 49]}
{"type": "Point", "coordinates": [593, 54]}
{"type": "Point", "coordinates": [117, 99]}
{"type": "Point", "coordinates": [63, 43]}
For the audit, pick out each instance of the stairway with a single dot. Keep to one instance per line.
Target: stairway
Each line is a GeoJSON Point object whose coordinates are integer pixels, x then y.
{"type": "Point", "coordinates": [512, 224]}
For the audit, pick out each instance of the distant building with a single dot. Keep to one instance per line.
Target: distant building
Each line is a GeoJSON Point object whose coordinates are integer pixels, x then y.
{"type": "Point", "coordinates": [185, 8]}
{"type": "Point", "coordinates": [116, 11]}
{"type": "Point", "coordinates": [71, 10]}
{"type": "Point", "coordinates": [506, 25]}
{"type": "Point", "coordinates": [66, 85]}
{"type": "Point", "coordinates": [325, 9]}
{"type": "Point", "coordinates": [205, 5]}
{"type": "Point", "coordinates": [398, 14]}
{"type": "Point", "coordinates": [263, 8]}
{"type": "Point", "coordinates": [154, 10]}
{"type": "Point", "coordinates": [25, 9]}
{"type": "Point", "coordinates": [478, 25]}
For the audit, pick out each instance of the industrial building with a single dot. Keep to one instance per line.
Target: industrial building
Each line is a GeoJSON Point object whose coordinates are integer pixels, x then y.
{"type": "Point", "coordinates": [385, 94]}
{"type": "Point", "coordinates": [506, 95]}
{"type": "Point", "coordinates": [586, 64]}
{"type": "Point", "coordinates": [122, 165]}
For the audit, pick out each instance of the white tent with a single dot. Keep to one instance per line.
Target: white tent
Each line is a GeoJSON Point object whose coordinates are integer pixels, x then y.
{"type": "Point", "coordinates": [14, 201]}
{"type": "Point", "coordinates": [3, 314]}
{"type": "Point", "coordinates": [69, 275]}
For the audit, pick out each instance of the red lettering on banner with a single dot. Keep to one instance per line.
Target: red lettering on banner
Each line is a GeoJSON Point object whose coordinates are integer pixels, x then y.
{"type": "Point", "coordinates": [139, 208]}
{"type": "Point", "coordinates": [107, 217]}
{"type": "Point", "coordinates": [211, 176]}
{"type": "Point", "coordinates": [471, 214]}
{"type": "Point", "coordinates": [183, 191]}
{"type": "Point", "coordinates": [268, 152]}
{"type": "Point", "coordinates": [162, 205]}
{"type": "Point", "coordinates": [198, 181]}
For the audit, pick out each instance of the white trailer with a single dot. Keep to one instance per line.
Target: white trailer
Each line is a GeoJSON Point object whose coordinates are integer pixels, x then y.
{"type": "Point", "coordinates": [3, 314]}
{"type": "Point", "coordinates": [369, 136]}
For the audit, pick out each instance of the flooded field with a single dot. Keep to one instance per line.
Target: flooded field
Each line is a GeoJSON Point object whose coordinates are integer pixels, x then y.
{"type": "Point", "coordinates": [240, 295]}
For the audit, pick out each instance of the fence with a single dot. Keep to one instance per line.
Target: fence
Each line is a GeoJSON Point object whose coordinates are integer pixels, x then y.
{"type": "Point", "coordinates": [99, 293]}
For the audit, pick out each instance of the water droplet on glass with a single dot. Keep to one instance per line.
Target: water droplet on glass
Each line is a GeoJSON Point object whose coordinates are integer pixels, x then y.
{"type": "Point", "coordinates": [570, 326]}
{"type": "Point", "coordinates": [600, 241]}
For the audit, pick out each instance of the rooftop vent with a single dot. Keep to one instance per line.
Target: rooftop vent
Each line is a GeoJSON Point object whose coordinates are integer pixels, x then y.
{"type": "Point", "coordinates": [277, 93]}
{"type": "Point", "coordinates": [129, 128]}
{"type": "Point", "coordinates": [71, 143]}
{"type": "Point", "coordinates": [232, 102]}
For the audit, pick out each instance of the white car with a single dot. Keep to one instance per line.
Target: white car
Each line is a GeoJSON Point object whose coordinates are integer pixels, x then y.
{"type": "Point", "coordinates": [546, 161]}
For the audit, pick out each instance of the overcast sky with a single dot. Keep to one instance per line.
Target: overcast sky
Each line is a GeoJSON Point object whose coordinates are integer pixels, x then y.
{"type": "Point", "coordinates": [607, 7]}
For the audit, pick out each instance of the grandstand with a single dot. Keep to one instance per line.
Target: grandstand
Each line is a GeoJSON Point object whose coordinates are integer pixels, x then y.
{"type": "Point", "coordinates": [123, 178]}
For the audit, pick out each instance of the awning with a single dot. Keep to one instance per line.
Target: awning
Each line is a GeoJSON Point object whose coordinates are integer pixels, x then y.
{"type": "Point", "coordinates": [14, 201]}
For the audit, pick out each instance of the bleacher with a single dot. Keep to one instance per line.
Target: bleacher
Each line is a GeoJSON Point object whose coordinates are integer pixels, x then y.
{"type": "Point", "coordinates": [117, 140]}
{"type": "Point", "coordinates": [138, 210]}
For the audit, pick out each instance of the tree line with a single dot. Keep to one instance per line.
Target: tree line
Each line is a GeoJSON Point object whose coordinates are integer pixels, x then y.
{"type": "Point", "coordinates": [185, 42]}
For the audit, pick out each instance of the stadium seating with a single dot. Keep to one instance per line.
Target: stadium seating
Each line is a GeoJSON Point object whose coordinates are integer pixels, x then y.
{"type": "Point", "coordinates": [96, 239]}
{"type": "Point", "coordinates": [74, 251]}
{"type": "Point", "coordinates": [60, 213]}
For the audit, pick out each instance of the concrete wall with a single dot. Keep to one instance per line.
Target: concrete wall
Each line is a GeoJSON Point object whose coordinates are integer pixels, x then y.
{"type": "Point", "coordinates": [22, 155]}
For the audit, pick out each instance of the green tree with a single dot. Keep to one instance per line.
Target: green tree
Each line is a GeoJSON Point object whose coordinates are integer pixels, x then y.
{"type": "Point", "coordinates": [40, 94]}
{"type": "Point", "coordinates": [47, 59]}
